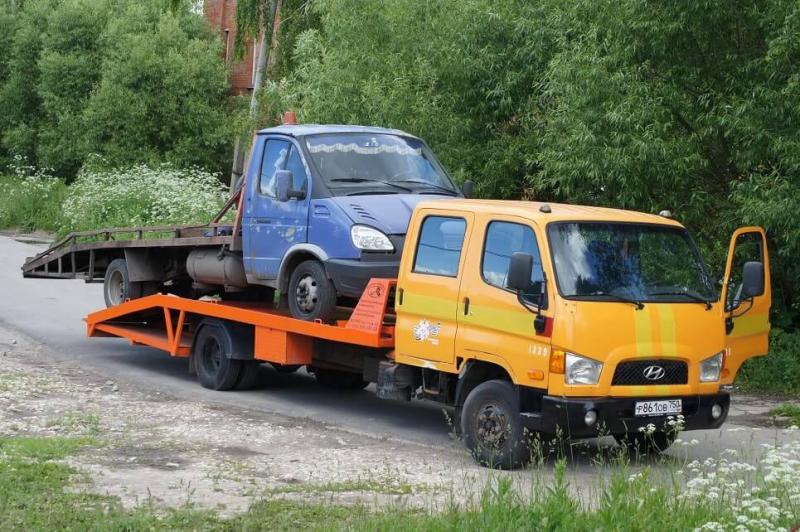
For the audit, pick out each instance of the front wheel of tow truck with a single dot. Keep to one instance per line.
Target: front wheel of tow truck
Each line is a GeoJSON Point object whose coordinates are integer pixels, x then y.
{"type": "Point", "coordinates": [643, 443]}
{"type": "Point", "coordinates": [311, 294]}
{"type": "Point", "coordinates": [492, 426]}
{"type": "Point", "coordinates": [117, 285]}
{"type": "Point", "coordinates": [211, 357]}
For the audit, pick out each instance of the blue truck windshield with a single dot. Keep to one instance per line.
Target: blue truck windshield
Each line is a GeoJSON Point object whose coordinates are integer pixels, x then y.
{"type": "Point", "coordinates": [623, 261]}
{"type": "Point", "coordinates": [349, 163]}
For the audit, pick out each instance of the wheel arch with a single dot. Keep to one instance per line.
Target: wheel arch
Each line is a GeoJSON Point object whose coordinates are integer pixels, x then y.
{"type": "Point", "coordinates": [475, 372]}
{"type": "Point", "coordinates": [294, 256]}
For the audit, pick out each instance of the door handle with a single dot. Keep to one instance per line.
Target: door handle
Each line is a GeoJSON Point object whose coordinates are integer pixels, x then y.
{"type": "Point", "coordinates": [400, 296]}
{"type": "Point", "coordinates": [466, 306]}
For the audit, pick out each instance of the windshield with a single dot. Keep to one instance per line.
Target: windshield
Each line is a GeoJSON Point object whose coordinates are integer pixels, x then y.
{"type": "Point", "coordinates": [390, 164]}
{"type": "Point", "coordinates": [620, 261]}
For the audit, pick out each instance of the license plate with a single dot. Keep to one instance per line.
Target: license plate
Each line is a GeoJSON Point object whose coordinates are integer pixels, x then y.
{"type": "Point", "coordinates": [658, 408]}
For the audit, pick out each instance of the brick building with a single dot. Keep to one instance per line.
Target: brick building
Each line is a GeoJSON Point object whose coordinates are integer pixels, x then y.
{"type": "Point", "coordinates": [221, 15]}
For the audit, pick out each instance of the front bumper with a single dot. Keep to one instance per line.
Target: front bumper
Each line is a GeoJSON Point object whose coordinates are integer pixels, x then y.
{"type": "Point", "coordinates": [563, 416]}
{"type": "Point", "coordinates": [350, 276]}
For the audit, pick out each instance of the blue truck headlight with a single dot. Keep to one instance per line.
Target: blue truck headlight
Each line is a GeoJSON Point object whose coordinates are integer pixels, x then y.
{"type": "Point", "coordinates": [370, 239]}
{"type": "Point", "coordinates": [581, 370]}
{"type": "Point", "coordinates": [710, 368]}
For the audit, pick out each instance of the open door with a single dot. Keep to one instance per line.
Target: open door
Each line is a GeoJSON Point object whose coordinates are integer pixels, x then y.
{"type": "Point", "coordinates": [746, 298]}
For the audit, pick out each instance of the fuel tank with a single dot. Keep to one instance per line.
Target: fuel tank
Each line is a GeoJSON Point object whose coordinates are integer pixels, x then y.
{"type": "Point", "coordinates": [212, 267]}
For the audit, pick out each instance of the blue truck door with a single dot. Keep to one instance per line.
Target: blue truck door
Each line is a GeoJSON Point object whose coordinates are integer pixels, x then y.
{"type": "Point", "coordinates": [274, 226]}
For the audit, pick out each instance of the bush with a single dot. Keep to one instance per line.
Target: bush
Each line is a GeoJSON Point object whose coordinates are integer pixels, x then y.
{"type": "Point", "coordinates": [140, 196]}
{"type": "Point", "coordinates": [31, 199]}
{"type": "Point", "coordinates": [778, 372]}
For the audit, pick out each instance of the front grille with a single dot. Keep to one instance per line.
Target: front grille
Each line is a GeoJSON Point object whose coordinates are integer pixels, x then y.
{"type": "Point", "coordinates": [632, 372]}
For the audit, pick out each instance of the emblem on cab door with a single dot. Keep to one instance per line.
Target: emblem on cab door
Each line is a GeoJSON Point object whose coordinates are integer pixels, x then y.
{"type": "Point", "coordinates": [653, 373]}
{"type": "Point", "coordinates": [425, 330]}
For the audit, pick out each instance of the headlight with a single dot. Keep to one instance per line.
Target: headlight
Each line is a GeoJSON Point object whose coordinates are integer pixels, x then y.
{"type": "Point", "coordinates": [370, 239]}
{"type": "Point", "coordinates": [582, 370]}
{"type": "Point", "coordinates": [710, 368]}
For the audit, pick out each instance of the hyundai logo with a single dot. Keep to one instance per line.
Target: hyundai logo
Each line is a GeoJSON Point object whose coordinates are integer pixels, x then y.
{"type": "Point", "coordinates": [653, 373]}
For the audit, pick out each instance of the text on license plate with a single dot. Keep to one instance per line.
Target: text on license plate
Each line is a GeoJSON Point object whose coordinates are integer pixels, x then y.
{"type": "Point", "coordinates": [658, 408]}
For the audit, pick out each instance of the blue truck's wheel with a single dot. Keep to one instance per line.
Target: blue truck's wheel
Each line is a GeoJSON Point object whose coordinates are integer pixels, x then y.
{"type": "Point", "coordinates": [211, 352]}
{"type": "Point", "coordinates": [492, 427]}
{"type": "Point", "coordinates": [311, 294]}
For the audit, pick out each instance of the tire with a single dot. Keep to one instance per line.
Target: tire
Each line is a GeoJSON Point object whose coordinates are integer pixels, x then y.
{"type": "Point", "coordinates": [340, 380]}
{"type": "Point", "coordinates": [210, 355]}
{"type": "Point", "coordinates": [492, 426]}
{"type": "Point", "coordinates": [312, 295]}
{"type": "Point", "coordinates": [117, 285]}
{"type": "Point", "coordinates": [249, 376]}
{"type": "Point", "coordinates": [655, 443]}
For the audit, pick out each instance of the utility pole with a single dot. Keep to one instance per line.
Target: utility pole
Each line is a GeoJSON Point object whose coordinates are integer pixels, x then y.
{"type": "Point", "coordinates": [264, 49]}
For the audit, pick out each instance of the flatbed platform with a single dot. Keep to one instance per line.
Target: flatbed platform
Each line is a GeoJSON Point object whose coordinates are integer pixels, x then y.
{"type": "Point", "coordinates": [169, 323]}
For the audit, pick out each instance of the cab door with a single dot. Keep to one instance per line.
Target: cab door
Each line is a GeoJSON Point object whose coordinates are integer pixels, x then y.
{"type": "Point", "coordinates": [746, 318]}
{"type": "Point", "coordinates": [273, 226]}
{"type": "Point", "coordinates": [493, 325]}
{"type": "Point", "coordinates": [427, 300]}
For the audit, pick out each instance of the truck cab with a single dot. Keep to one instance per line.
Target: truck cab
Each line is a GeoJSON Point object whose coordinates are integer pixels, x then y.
{"type": "Point", "coordinates": [573, 321]}
{"type": "Point", "coordinates": [326, 208]}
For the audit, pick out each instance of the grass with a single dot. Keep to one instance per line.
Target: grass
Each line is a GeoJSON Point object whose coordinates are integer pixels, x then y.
{"type": "Point", "coordinates": [779, 371]}
{"type": "Point", "coordinates": [792, 411]}
{"type": "Point", "coordinates": [37, 493]}
{"type": "Point", "coordinates": [31, 203]}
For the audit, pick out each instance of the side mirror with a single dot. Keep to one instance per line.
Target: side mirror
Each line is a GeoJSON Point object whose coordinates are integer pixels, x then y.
{"type": "Point", "coordinates": [752, 279]}
{"type": "Point", "coordinates": [466, 188]}
{"type": "Point", "coordinates": [283, 186]}
{"type": "Point", "coordinates": [519, 272]}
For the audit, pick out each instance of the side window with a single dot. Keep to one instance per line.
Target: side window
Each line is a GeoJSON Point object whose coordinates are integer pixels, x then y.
{"type": "Point", "coordinates": [295, 165]}
{"type": "Point", "coordinates": [439, 245]}
{"type": "Point", "coordinates": [747, 249]}
{"type": "Point", "coordinates": [275, 154]}
{"type": "Point", "coordinates": [503, 239]}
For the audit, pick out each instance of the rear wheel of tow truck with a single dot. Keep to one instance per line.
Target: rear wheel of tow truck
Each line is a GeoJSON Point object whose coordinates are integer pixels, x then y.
{"type": "Point", "coordinates": [340, 380]}
{"type": "Point", "coordinates": [492, 426]}
{"type": "Point", "coordinates": [117, 285]}
{"type": "Point", "coordinates": [210, 355]}
{"type": "Point", "coordinates": [642, 443]}
{"type": "Point", "coordinates": [311, 294]}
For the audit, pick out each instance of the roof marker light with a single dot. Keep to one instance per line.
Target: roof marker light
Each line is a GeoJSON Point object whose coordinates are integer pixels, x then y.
{"type": "Point", "coordinates": [545, 208]}
{"type": "Point", "coordinates": [665, 214]}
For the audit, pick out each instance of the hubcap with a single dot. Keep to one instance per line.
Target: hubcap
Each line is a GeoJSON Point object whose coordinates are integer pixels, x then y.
{"type": "Point", "coordinates": [116, 287]}
{"type": "Point", "coordinates": [493, 426]}
{"type": "Point", "coordinates": [212, 356]}
{"type": "Point", "coordinates": [306, 293]}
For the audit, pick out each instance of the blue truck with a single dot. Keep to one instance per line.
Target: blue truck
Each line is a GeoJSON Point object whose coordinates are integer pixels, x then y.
{"type": "Point", "coordinates": [322, 209]}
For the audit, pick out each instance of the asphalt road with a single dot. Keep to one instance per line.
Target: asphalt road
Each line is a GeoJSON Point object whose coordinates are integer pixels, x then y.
{"type": "Point", "coordinates": [51, 311]}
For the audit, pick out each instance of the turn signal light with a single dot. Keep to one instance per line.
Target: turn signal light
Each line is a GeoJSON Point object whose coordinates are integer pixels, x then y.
{"type": "Point", "coordinates": [557, 361]}
{"type": "Point", "coordinates": [536, 374]}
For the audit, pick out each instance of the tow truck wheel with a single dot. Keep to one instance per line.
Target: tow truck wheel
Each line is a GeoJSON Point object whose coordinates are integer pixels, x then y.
{"type": "Point", "coordinates": [311, 294]}
{"type": "Point", "coordinates": [117, 285]}
{"type": "Point", "coordinates": [655, 443]}
{"type": "Point", "coordinates": [492, 426]}
{"type": "Point", "coordinates": [340, 380]}
{"type": "Point", "coordinates": [212, 347]}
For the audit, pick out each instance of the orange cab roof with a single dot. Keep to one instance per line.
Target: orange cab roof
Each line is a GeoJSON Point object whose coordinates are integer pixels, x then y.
{"type": "Point", "coordinates": [559, 211]}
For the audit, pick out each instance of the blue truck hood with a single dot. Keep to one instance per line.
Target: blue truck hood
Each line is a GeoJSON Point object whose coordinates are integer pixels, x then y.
{"type": "Point", "coordinates": [388, 212]}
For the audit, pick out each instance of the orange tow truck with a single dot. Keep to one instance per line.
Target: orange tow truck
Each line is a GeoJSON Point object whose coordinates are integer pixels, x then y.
{"type": "Point", "coordinates": [522, 317]}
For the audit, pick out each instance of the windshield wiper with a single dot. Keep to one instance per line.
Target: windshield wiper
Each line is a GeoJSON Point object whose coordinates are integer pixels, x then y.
{"type": "Point", "coordinates": [690, 295]}
{"type": "Point", "coordinates": [364, 180]}
{"type": "Point", "coordinates": [639, 304]}
{"type": "Point", "coordinates": [450, 191]}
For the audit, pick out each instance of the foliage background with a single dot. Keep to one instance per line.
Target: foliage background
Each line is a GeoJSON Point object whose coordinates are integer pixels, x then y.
{"type": "Point", "coordinates": [691, 106]}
